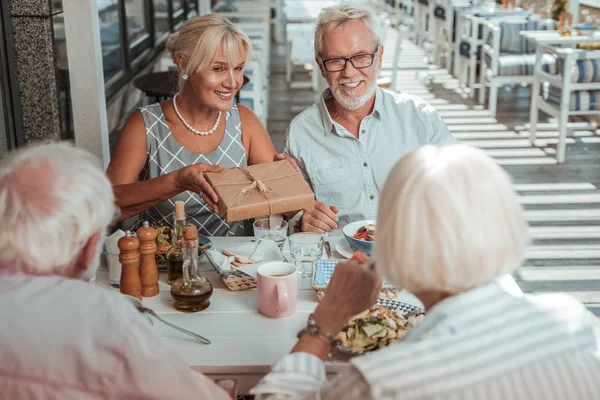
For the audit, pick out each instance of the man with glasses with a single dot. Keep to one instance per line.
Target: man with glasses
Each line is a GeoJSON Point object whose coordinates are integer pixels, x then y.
{"type": "Point", "coordinates": [348, 141]}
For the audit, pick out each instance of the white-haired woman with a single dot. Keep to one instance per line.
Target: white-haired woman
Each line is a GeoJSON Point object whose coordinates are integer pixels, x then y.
{"type": "Point", "coordinates": [62, 337]}
{"type": "Point", "coordinates": [449, 226]}
{"type": "Point", "coordinates": [164, 148]}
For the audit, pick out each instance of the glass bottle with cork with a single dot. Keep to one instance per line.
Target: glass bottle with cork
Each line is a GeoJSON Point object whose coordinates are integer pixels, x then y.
{"type": "Point", "coordinates": [191, 291]}
{"type": "Point", "coordinates": [175, 254]}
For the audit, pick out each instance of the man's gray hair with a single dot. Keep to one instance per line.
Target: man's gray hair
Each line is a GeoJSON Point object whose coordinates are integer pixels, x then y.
{"type": "Point", "coordinates": [339, 15]}
{"type": "Point", "coordinates": [449, 220]}
{"type": "Point", "coordinates": [53, 199]}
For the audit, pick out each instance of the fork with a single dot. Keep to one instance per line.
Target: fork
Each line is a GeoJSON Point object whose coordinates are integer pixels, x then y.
{"type": "Point", "coordinates": [201, 339]}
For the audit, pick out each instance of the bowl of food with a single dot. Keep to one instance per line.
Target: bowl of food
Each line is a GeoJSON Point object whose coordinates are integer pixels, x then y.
{"type": "Point", "coordinates": [378, 327]}
{"type": "Point", "coordinates": [361, 235]}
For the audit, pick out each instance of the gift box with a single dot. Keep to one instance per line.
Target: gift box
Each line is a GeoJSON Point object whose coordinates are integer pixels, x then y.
{"type": "Point", "coordinates": [260, 190]}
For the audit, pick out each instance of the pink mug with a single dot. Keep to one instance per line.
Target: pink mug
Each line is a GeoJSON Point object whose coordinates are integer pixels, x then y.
{"type": "Point", "coordinates": [277, 289]}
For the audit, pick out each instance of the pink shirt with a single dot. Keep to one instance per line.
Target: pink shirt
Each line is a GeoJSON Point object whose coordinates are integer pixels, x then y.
{"type": "Point", "coordinates": [67, 339]}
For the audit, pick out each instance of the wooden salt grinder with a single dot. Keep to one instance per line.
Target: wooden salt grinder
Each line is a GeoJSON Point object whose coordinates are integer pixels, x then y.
{"type": "Point", "coordinates": [148, 270]}
{"type": "Point", "coordinates": [129, 258]}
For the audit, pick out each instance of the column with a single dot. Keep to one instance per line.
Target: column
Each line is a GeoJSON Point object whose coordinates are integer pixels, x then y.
{"type": "Point", "coordinates": [35, 64]}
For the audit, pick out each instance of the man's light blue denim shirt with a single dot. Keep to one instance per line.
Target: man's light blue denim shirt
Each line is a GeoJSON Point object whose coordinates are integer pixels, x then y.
{"type": "Point", "coordinates": [348, 172]}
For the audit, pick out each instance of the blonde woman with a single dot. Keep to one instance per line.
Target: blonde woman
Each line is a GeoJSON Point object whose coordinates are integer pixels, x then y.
{"type": "Point", "coordinates": [164, 148]}
{"type": "Point", "coordinates": [449, 226]}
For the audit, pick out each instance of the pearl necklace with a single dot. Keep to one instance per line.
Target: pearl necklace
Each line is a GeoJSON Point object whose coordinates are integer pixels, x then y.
{"type": "Point", "coordinates": [196, 131]}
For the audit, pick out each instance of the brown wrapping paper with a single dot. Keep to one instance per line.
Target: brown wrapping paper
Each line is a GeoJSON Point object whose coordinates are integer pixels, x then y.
{"type": "Point", "coordinates": [261, 190]}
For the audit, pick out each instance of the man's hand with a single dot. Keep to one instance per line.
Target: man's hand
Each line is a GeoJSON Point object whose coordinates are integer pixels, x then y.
{"type": "Point", "coordinates": [353, 288]}
{"type": "Point", "coordinates": [281, 157]}
{"type": "Point", "coordinates": [320, 219]}
{"type": "Point", "coordinates": [192, 178]}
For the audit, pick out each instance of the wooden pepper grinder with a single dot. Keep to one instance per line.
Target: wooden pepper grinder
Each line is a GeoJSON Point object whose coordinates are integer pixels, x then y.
{"type": "Point", "coordinates": [129, 258]}
{"type": "Point", "coordinates": [148, 270]}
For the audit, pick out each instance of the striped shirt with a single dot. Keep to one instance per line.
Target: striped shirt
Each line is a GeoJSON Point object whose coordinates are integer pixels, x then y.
{"type": "Point", "coordinates": [482, 344]}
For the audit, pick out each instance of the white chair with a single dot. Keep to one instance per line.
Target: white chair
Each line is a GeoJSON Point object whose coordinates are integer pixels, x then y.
{"type": "Point", "coordinates": [446, 30]}
{"type": "Point", "coordinates": [276, 19]}
{"type": "Point", "coordinates": [574, 88]}
{"type": "Point", "coordinates": [302, 34]}
{"type": "Point", "coordinates": [421, 11]}
{"type": "Point", "coordinates": [471, 42]}
{"type": "Point", "coordinates": [253, 94]}
{"type": "Point", "coordinates": [508, 57]}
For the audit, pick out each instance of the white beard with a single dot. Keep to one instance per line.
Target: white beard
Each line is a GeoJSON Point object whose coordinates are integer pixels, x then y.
{"type": "Point", "coordinates": [352, 103]}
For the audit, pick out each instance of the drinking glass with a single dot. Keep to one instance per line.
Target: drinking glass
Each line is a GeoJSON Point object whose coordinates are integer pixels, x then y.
{"type": "Point", "coordinates": [305, 248]}
{"type": "Point", "coordinates": [273, 228]}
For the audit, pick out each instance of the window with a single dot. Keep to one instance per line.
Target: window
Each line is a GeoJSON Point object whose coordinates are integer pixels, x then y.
{"type": "Point", "coordinates": [110, 37]}
{"type": "Point", "coordinates": [3, 120]}
{"type": "Point", "coordinates": [177, 5]}
{"type": "Point", "coordinates": [161, 20]}
{"type": "Point", "coordinates": [192, 10]}
{"type": "Point", "coordinates": [10, 133]}
{"type": "Point", "coordinates": [137, 21]}
{"type": "Point", "coordinates": [138, 28]}
{"type": "Point", "coordinates": [133, 32]}
{"type": "Point", "coordinates": [178, 13]}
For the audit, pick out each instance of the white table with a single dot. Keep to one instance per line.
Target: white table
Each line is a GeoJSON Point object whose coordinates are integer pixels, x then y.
{"type": "Point", "coordinates": [245, 344]}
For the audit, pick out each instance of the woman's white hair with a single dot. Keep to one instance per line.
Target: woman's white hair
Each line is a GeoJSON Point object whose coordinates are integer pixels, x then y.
{"type": "Point", "coordinates": [199, 40]}
{"type": "Point", "coordinates": [448, 221]}
{"type": "Point", "coordinates": [337, 16]}
{"type": "Point", "coordinates": [53, 199]}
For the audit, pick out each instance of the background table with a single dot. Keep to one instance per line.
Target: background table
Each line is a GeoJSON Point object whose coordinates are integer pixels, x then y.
{"type": "Point", "coordinates": [245, 344]}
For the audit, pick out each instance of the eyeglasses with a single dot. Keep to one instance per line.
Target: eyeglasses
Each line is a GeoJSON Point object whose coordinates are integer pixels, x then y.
{"type": "Point", "coordinates": [358, 61]}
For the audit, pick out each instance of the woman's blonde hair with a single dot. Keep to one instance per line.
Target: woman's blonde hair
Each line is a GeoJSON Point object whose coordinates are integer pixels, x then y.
{"type": "Point", "coordinates": [199, 40]}
{"type": "Point", "coordinates": [448, 221]}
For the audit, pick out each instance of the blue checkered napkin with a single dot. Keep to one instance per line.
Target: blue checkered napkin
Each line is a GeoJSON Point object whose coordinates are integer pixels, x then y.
{"type": "Point", "coordinates": [323, 270]}
{"type": "Point", "coordinates": [404, 308]}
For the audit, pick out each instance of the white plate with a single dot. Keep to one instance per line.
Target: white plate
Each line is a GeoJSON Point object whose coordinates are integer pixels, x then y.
{"type": "Point", "coordinates": [343, 247]}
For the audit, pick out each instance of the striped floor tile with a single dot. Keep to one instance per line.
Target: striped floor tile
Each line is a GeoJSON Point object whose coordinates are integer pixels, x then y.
{"type": "Point", "coordinates": [569, 198]}
{"type": "Point", "coordinates": [558, 215]}
{"type": "Point", "coordinates": [521, 152]}
{"type": "Point", "coordinates": [537, 187]}
{"type": "Point", "coordinates": [527, 161]}
{"type": "Point", "coordinates": [564, 273]}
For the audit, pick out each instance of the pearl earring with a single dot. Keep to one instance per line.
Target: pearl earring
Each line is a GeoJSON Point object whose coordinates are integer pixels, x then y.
{"type": "Point", "coordinates": [185, 77]}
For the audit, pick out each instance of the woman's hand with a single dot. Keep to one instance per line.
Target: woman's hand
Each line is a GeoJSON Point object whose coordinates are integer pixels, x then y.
{"type": "Point", "coordinates": [353, 288]}
{"type": "Point", "coordinates": [192, 178]}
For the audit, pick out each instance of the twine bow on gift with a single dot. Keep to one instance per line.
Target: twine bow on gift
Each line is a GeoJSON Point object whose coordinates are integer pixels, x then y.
{"type": "Point", "coordinates": [256, 183]}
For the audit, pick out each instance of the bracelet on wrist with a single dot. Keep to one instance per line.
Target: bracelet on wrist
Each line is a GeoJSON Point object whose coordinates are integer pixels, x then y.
{"type": "Point", "coordinates": [313, 330]}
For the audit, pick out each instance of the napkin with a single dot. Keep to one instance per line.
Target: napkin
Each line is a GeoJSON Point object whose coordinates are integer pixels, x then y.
{"type": "Point", "coordinates": [267, 251]}
{"type": "Point", "coordinates": [221, 260]}
{"type": "Point", "coordinates": [112, 242]}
